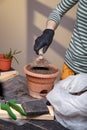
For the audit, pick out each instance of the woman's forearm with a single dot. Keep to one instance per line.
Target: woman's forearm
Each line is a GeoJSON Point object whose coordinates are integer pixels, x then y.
{"type": "Point", "coordinates": [51, 25]}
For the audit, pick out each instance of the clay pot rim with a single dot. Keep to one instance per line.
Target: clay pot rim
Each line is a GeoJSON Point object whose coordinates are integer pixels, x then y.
{"type": "Point", "coordinates": [41, 75]}
{"type": "Point", "coordinates": [4, 59]}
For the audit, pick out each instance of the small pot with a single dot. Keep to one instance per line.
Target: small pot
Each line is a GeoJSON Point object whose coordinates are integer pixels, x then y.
{"type": "Point", "coordinates": [5, 64]}
{"type": "Point", "coordinates": [1, 56]}
{"type": "Point", "coordinates": [40, 84]}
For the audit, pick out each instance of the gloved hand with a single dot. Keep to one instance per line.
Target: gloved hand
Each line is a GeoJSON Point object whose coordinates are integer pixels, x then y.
{"type": "Point", "coordinates": [44, 41]}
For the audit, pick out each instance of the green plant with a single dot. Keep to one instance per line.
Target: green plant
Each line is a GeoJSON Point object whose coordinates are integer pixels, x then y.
{"type": "Point", "coordinates": [11, 54]}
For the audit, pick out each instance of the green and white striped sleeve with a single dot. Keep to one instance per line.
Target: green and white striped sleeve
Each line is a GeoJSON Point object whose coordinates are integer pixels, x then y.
{"type": "Point", "coordinates": [61, 9]}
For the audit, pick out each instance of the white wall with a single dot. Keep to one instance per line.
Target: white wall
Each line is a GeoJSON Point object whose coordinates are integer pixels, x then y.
{"type": "Point", "coordinates": [13, 29]}
{"type": "Point", "coordinates": [21, 21]}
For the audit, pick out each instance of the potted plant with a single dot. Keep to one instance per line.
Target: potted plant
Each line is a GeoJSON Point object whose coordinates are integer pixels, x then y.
{"type": "Point", "coordinates": [40, 80]}
{"type": "Point", "coordinates": [6, 59]}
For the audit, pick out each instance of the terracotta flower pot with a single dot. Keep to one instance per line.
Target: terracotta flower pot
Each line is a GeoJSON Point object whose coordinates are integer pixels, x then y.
{"type": "Point", "coordinates": [40, 84]}
{"type": "Point", "coordinates": [1, 56]}
{"type": "Point", "coordinates": [5, 64]}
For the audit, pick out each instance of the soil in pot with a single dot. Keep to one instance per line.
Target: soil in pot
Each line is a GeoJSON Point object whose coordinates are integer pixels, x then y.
{"type": "Point", "coordinates": [41, 70]}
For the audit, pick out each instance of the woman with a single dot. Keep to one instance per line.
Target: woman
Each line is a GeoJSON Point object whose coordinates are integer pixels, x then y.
{"type": "Point", "coordinates": [76, 55]}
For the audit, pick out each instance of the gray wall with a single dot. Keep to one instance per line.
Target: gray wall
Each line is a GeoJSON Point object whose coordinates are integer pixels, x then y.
{"type": "Point", "coordinates": [21, 21]}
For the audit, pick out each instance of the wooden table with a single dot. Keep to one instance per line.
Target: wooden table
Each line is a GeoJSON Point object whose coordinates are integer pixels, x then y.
{"type": "Point", "coordinates": [16, 88]}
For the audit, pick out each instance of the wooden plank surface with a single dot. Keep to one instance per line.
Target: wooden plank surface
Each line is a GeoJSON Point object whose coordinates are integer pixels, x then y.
{"type": "Point", "coordinates": [8, 75]}
{"type": "Point", "coordinates": [31, 125]}
{"type": "Point", "coordinates": [17, 89]}
{"type": "Point", "coordinates": [50, 116]}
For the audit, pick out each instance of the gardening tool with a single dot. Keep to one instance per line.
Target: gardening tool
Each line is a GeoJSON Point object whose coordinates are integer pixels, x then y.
{"type": "Point", "coordinates": [5, 105]}
{"type": "Point", "coordinates": [11, 103]}
{"type": "Point", "coordinates": [40, 62]}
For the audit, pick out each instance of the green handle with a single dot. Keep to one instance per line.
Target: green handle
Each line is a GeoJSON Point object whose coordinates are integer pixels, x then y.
{"type": "Point", "coordinates": [16, 107]}
{"type": "Point", "coordinates": [7, 108]}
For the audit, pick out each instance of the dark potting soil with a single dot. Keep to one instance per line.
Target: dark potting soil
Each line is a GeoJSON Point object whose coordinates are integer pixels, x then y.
{"type": "Point", "coordinates": [41, 70]}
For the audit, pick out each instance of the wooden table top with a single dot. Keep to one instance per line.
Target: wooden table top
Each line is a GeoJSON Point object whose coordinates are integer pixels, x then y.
{"type": "Point", "coordinates": [16, 88]}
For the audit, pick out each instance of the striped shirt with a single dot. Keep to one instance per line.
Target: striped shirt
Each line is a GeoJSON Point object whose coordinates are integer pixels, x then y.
{"type": "Point", "coordinates": [76, 54]}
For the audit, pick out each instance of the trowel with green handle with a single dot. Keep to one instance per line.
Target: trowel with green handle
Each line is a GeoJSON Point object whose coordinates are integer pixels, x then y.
{"type": "Point", "coordinates": [11, 103]}
{"type": "Point", "coordinates": [4, 106]}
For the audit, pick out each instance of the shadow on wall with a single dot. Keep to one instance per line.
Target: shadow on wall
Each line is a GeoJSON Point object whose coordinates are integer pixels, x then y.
{"type": "Point", "coordinates": [32, 30]}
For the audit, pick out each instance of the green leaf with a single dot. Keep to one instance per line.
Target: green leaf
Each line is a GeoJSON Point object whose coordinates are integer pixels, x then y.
{"type": "Point", "coordinates": [11, 54]}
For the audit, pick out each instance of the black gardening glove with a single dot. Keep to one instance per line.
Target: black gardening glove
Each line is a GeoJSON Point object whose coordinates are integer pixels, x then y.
{"type": "Point", "coordinates": [44, 41]}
